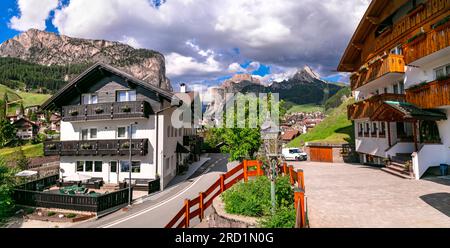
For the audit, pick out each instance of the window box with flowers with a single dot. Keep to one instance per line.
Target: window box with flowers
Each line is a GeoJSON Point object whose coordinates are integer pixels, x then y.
{"type": "Point", "coordinates": [416, 38]}
{"type": "Point", "coordinates": [126, 109]}
{"type": "Point", "coordinates": [98, 110]}
{"type": "Point", "coordinates": [442, 24]}
{"type": "Point", "coordinates": [86, 146]}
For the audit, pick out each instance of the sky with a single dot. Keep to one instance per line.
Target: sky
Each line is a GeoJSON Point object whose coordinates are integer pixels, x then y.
{"type": "Point", "coordinates": [205, 41]}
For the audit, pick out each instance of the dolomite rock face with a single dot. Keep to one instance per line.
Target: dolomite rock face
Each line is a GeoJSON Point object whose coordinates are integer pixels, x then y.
{"type": "Point", "coordinates": [47, 48]}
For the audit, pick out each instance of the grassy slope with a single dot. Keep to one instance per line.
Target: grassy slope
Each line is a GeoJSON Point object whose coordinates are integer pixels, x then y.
{"type": "Point", "coordinates": [27, 98]}
{"type": "Point", "coordinates": [334, 129]}
{"type": "Point", "coordinates": [305, 108]}
{"type": "Point", "coordinates": [30, 151]}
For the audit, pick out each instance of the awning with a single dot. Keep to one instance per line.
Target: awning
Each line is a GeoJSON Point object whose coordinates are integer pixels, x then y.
{"type": "Point", "coordinates": [181, 149]}
{"type": "Point", "coordinates": [403, 111]}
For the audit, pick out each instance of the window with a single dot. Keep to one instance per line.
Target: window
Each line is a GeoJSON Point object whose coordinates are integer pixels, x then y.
{"type": "Point", "coordinates": [374, 129]}
{"type": "Point", "coordinates": [385, 90]}
{"type": "Point", "coordinates": [382, 131]}
{"type": "Point", "coordinates": [136, 167]}
{"type": "Point", "coordinates": [366, 133]}
{"type": "Point", "coordinates": [84, 134]}
{"type": "Point", "coordinates": [126, 95]}
{"type": "Point", "coordinates": [397, 50]}
{"type": "Point", "coordinates": [89, 98]}
{"type": "Point", "coordinates": [88, 166]}
{"type": "Point", "coordinates": [98, 166]}
{"type": "Point", "coordinates": [121, 132]}
{"type": "Point", "coordinates": [124, 166]}
{"type": "Point", "coordinates": [395, 89]}
{"type": "Point", "coordinates": [93, 133]}
{"type": "Point", "coordinates": [442, 72]}
{"type": "Point", "coordinates": [113, 166]}
{"type": "Point", "coordinates": [80, 166]}
{"type": "Point", "coordinates": [360, 129]}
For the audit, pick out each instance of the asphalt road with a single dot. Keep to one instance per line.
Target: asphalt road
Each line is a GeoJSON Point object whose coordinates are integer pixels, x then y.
{"type": "Point", "coordinates": [159, 209]}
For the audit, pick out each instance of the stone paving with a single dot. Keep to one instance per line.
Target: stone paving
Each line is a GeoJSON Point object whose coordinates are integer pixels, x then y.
{"type": "Point", "coordinates": [347, 195]}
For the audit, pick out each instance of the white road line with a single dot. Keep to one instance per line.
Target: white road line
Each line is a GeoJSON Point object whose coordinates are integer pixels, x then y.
{"type": "Point", "coordinates": [150, 209]}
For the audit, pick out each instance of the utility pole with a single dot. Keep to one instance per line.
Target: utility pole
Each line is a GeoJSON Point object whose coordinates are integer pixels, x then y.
{"type": "Point", "coordinates": [130, 162]}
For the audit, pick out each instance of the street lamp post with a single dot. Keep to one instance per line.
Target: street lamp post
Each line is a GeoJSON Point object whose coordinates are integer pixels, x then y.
{"type": "Point", "coordinates": [130, 163]}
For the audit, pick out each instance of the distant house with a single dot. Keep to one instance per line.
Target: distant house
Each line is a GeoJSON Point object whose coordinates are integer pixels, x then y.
{"type": "Point", "coordinates": [55, 122]}
{"type": "Point", "coordinates": [26, 129]}
{"type": "Point", "coordinates": [31, 109]}
{"type": "Point", "coordinates": [289, 135]}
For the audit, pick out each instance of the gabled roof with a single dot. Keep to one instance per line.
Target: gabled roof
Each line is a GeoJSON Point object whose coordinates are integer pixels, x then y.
{"type": "Point", "coordinates": [96, 68]}
{"type": "Point", "coordinates": [23, 119]}
{"type": "Point", "coordinates": [398, 111]}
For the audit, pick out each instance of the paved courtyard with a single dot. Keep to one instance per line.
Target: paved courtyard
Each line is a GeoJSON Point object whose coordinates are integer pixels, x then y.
{"type": "Point", "coordinates": [346, 195]}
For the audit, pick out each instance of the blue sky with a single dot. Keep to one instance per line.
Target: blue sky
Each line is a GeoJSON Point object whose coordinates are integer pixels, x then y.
{"type": "Point", "coordinates": [205, 41]}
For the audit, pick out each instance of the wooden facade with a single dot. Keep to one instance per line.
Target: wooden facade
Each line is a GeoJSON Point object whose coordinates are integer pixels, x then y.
{"type": "Point", "coordinates": [366, 108]}
{"type": "Point", "coordinates": [431, 95]}
{"type": "Point", "coordinates": [380, 66]}
{"type": "Point", "coordinates": [321, 154]}
{"type": "Point", "coordinates": [118, 147]}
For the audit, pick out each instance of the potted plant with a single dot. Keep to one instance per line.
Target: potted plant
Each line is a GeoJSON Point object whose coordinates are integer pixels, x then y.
{"type": "Point", "coordinates": [126, 109]}
{"type": "Point", "coordinates": [408, 166]}
{"type": "Point", "coordinates": [98, 110]}
{"type": "Point", "coordinates": [86, 146]}
{"type": "Point", "coordinates": [73, 112]}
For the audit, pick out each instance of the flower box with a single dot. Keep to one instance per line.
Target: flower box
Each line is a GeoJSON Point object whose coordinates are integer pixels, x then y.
{"type": "Point", "coordinates": [442, 24]}
{"type": "Point", "coordinates": [86, 146]}
{"type": "Point", "coordinates": [126, 145]}
{"type": "Point", "coordinates": [416, 38]}
{"type": "Point", "coordinates": [126, 109]}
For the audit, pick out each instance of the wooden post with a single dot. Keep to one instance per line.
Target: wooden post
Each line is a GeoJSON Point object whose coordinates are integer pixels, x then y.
{"type": "Point", "coordinates": [299, 201]}
{"type": "Point", "coordinates": [186, 214]}
{"type": "Point", "coordinates": [258, 168]}
{"type": "Point", "coordinates": [285, 168]}
{"type": "Point", "coordinates": [291, 174]}
{"type": "Point", "coordinates": [300, 179]}
{"type": "Point", "coordinates": [389, 133]}
{"type": "Point", "coordinates": [200, 205]}
{"type": "Point", "coordinates": [222, 183]}
{"type": "Point", "coordinates": [245, 171]}
{"type": "Point", "coordinates": [415, 135]}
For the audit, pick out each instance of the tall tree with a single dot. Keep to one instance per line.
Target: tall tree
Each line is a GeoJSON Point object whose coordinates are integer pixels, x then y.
{"type": "Point", "coordinates": [7, 184]}
{"type": "Point", "coordinates": [7, 133]}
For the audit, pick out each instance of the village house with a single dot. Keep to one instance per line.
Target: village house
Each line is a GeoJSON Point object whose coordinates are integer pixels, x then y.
{"type": "Point", "coordinates": [26, 129]}
{"type": "Point", "coordinates": [399, 58]}
{"type": "Point", "coordinates": [101, 111]}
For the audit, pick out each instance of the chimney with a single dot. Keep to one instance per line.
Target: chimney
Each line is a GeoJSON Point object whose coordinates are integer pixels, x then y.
{"type": "Point", "coordinates": [183, 88]}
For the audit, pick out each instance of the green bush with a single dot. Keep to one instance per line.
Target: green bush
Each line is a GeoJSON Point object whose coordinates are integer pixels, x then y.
{"type": "Point", "coordinates": [284, 217]}
{"type": "Point", "coordinates": [71, 215]}
{"type": "Point", "coordinates": [253, 198]}
{"type": "Point", "coordinates": [51, 213]}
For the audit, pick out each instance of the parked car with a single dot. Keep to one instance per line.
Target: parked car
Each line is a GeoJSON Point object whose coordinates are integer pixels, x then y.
{"type": "Point", "coordinates": [294, 154]}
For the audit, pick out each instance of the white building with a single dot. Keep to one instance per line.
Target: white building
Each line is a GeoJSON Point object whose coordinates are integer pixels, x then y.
{"type": "Point", "coordinates": [399, 57]}
{"type": "Point", "coordinates": [98, 108]}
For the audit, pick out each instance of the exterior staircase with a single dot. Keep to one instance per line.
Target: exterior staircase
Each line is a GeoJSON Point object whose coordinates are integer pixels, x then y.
{"type": "Point", "coordinates": [397, 166]}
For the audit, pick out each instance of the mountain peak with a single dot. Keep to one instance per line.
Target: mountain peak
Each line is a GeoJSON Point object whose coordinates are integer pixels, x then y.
{"type": "Point", "coordinates": [47, 48]}
{"type": "Point", "coordinates": [306, 74]}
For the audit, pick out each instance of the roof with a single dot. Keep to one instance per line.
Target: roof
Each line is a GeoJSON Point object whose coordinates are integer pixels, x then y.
{"type": "Point", "coordinates": [405, 111]}
{"type": "Point", "coordinates": [290, 134]}
{"type": "Point", "coordinates": [24, 120]}
{"type": "Point", "coordinates": [95, 69]}
{"type": "Point", "coordinates": [362, 31]}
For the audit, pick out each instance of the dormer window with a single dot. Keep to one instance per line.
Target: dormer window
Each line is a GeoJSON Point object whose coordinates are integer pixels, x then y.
{"type": "Point", "coordinates": [126, 96]}
{"type": "Point", "coordinates": [89, 99]}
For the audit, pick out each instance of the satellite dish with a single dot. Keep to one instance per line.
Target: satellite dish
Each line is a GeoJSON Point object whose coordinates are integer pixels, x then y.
{"type": "Point", "coordinates": [62, 170]}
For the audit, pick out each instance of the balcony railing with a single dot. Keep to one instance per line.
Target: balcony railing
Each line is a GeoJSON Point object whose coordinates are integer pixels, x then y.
{"type": "Point", "coordinates": [96, 147]}
{"type": "Point", "coordinates": [366, 108]}
{"type": "Point", "coordinates": [106, 111]}
{"type": "Point", "coordinates": [425, 44]}
{"type": "Point", "coordinates": [422, 16]}
{"type": "Point", "coordinates": [430, 95]}
{"type": "Point", "coordinates": [391, 63]}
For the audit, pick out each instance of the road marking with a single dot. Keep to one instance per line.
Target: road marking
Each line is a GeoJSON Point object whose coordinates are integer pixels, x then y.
{"type": "Point", "coordinates": [151, 208]}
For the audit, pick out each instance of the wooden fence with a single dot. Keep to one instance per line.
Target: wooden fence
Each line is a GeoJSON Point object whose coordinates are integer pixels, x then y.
{"type": "Point", "coordinates": [29, 194]}
{"type": "Point", "coordinates": [248, 168]}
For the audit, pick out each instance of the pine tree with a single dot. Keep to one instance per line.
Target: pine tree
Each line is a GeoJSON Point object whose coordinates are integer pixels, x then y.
{"type": "Point", "coordinates": [22, 161]}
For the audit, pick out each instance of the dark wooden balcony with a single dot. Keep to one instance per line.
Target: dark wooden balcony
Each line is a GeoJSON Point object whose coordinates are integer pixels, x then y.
{"type": "Point", "coordinates": [96, 147]}
{"type": "Point", "coordinates": [430, 95]}
{"type": "Point", "coordinates": [365, 108]}
{"type": "Point", "coordinates": [106, 111]}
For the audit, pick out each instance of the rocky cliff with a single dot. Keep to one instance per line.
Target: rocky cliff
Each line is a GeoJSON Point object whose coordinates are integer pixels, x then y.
{"type": "Point", "coordinates": [47, 48]}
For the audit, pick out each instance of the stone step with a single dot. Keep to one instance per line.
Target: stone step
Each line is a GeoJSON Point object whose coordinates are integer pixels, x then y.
{"type": "Point", "coordinates": [401, 174]}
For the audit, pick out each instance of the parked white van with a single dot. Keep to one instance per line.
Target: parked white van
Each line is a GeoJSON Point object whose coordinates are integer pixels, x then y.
{"type": "Point", "coordinates": [294, 154]}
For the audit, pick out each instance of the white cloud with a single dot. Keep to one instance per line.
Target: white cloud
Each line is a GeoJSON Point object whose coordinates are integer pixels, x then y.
{"type": "Point", "coordinates": [33, 14]}
{"type": "Point", "coordinates": [199, 37]}
{"type": "Point", "coordinates": [236, 68]}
